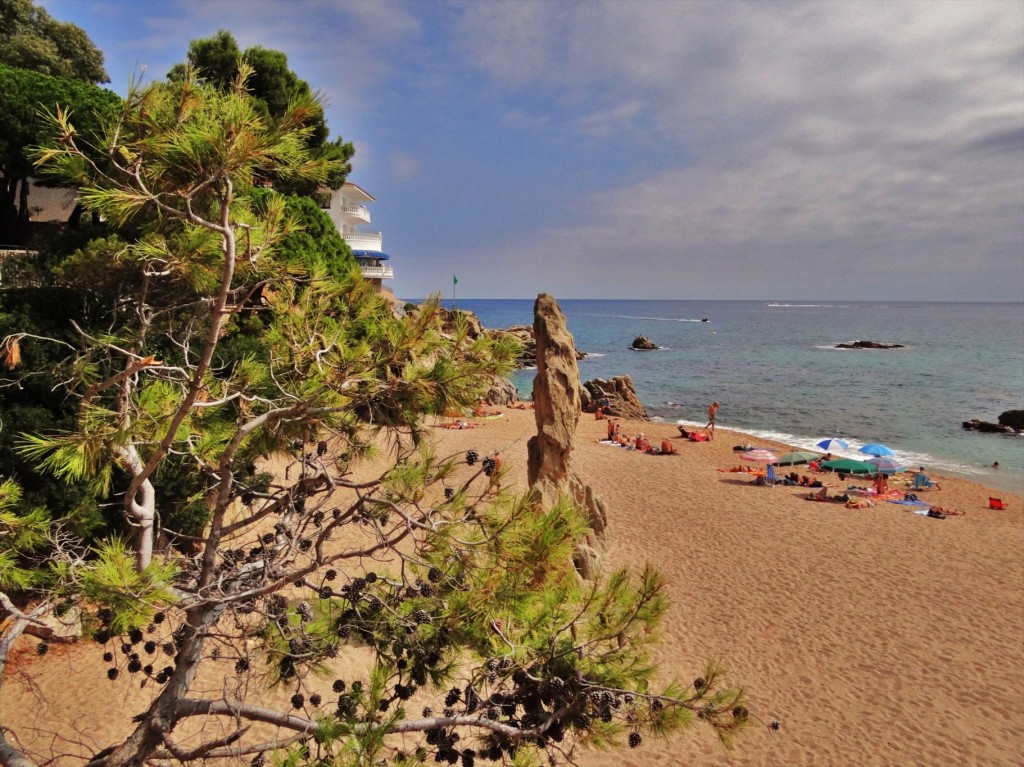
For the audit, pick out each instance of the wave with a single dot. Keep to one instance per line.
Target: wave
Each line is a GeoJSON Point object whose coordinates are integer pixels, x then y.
{"type": "Point", "coordinates": [834, 348]}
{"type": "Point", "coordinates": [635, 317]}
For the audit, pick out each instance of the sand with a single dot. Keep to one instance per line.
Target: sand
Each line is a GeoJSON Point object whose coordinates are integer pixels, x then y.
{"type": "Point", "coordinates": [874, 636]}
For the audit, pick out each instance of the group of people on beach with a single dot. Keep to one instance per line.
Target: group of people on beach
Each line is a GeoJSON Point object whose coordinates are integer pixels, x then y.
{"type": "Point", "coordinates": [639, 442]}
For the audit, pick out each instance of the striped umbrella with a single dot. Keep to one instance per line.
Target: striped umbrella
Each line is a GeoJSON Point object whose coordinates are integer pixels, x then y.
{"type": "Point", "coordinates": [833, 445]}
{"type": "Point", "coordinates": [759, 455]}
{"type": "Point", "coordinates": [886, 464]}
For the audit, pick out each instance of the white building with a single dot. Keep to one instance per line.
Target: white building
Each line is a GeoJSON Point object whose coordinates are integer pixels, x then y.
{"type": "Point", "coordinates": [347, 209]}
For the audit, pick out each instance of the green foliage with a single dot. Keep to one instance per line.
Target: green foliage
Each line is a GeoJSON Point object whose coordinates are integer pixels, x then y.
{"type": "Point", "coordinates": [235, 379]}
{"type": "Point", "coordinates": [275, 88]}
{"type": "Point", "coordinates": [21, 536]}
{"type": "Point", "coordinates": [31, 39]}
{"type": "Point", "coordinates": [25, 97]}
{"type": "Point", "coordinates": [314, 241]}
{"type": "Point", "coordinates": [111, 581]}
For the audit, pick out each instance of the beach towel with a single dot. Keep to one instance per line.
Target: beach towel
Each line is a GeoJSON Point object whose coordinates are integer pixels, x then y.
{"type": "Point", "coordinates": [909, 503]}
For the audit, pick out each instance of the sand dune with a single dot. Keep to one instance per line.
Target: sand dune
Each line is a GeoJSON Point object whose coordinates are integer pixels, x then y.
{"type": "Point", "coordinates": [875, 636]}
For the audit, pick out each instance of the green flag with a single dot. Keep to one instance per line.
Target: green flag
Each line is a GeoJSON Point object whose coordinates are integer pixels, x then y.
{"type": "Point", "coordinates": [455, 280]}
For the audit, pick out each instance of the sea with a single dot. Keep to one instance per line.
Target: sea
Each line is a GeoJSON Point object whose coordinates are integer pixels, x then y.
{"type": "Point", "coordinates": [774, 369]}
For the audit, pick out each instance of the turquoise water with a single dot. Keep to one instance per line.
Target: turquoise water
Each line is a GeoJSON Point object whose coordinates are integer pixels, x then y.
{"type": "Point", "coordinates": [776, 375]}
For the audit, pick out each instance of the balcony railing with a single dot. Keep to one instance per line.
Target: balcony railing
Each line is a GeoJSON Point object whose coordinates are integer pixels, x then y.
{"type": "Point", "coordinates": [363, 240]}
{"type": "Point", "coordinates": [360, 212]}
{"type": "Point", "coordinates": [378, 272]}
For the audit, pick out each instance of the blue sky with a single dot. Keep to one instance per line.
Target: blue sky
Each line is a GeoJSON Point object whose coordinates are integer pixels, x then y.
{"type": "Point", "coordinates": [664, 149]}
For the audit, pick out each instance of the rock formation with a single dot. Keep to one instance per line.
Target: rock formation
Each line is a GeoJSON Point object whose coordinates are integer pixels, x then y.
{"type": "Point", "coordinates": [1012, 418]}
{"type": "Point", "coordinates": [451, 317]}
{"type": "Point", "coordinates": [524, 334]}
{"type": "Point", "coordinates": [868, 345]}
{"type": "Point", "coordinates": [556, 397]}
{"type": "Point", "coordinates": [643, 343]}
{"type": "Point", "coordinates": [622, 401]}
{"type": "Point", "coordinates": [502, 392]}
{"type": "Point", "coordinates": [1010, 422]}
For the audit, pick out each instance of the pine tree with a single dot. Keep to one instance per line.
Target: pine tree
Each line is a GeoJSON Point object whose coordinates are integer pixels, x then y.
{"type": "Point", "coordinates": [226, 355]}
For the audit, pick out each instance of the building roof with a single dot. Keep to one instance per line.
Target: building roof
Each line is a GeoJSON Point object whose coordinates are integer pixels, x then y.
{"type": "Point", "coordinates": [371, 254]}
{"type": "Point", "coordinates": [357, 193]}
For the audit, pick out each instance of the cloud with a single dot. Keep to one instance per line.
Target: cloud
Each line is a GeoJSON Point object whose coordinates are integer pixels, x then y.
{"type": "Point", "coordinates": [869, 137]}
{"type": "Point", "coordinates": [403, 165]}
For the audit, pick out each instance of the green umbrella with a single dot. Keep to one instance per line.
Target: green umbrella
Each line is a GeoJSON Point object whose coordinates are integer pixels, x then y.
{"type": "Point", "coordinates": [797, 456]}
{"type": "Point", "coordinates": [849, 466]}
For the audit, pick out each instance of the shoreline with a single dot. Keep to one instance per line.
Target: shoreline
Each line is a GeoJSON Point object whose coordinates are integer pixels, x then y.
{"type": "Point", "coordinates": [1007, 479]}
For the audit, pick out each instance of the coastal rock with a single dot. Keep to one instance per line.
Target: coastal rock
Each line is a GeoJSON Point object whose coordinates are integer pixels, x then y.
{"type": "Point", "coordinates": [618, 395]}
{"type": "Point", "coordinates": [1010, 422]}
{"type": "Point", "coordinates": [524, 334]}
{"type": "Point", "coordinates": [643, 343]}
{"type": "Point", "coordinates": [556, 397]}
{"type": "Point", "coordinates": [501, 392]}
{"type": "Point", "coordinates": [868, 345]}
{"type": "Point", "coordinates": [1012, 418]}
{"type": "Point", "coordinates": [450, 319]}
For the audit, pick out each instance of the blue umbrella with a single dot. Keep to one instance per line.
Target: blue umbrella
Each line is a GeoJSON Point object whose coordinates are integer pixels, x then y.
{"type": "Point", "coordinates": [828, 445]}
{"type": "Point", "coordinates": [877, 449]}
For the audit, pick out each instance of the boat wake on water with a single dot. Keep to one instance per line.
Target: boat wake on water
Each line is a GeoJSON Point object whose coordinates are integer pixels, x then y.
{"type": "Point", "coordinates": [629, 317]}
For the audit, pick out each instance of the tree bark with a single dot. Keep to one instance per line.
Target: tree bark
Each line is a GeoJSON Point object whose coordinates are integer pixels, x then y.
{"type": "Point", "coordinates": [166, 710]}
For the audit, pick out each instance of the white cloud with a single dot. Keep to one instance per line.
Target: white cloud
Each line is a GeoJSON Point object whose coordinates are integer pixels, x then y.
{"type": "Point", "coordinates": [873, 135]}
{"type": "Point", "coordinates": [403, 165]}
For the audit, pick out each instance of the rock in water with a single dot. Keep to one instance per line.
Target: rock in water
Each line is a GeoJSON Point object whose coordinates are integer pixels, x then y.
{"type": "Point", "coordinates": [1010, 422]}
{"type": "Point", "coordinates": [643, 343]}
{"type": "Point", "coordinates": [868, 345]}
{"type": "Point", "coordinates": [1013, 419]}
{"type": "Point", "coordinates": [556, 398]}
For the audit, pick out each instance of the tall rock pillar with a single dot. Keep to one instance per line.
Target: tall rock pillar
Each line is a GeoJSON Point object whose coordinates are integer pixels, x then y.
{"type": "Point", "coordinates": [556, 398]}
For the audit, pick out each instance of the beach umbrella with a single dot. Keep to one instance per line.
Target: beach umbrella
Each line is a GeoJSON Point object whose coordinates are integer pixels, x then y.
{"type": "Point", "coordinates": [797, 456]}
{"type": "Point", "coordinates": [833, 444]}
{"type": "Point", "coordinates": [849, 466]}
{"type": "Point", "coordinates": [877, 449]}
{"type": "Point", "coordinates": [886, 464]}
{"type": "Point", "coordinates": [760, 455]}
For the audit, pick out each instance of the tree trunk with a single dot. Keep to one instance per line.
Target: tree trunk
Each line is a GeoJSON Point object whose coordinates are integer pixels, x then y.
{"type": "Point", "coordinates": [165, 711]}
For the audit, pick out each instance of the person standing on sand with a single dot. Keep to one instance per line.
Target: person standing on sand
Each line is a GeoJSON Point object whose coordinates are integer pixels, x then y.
{"type": "Point", "coordinates": [710, 428]}
{"type": "Point", "coordinates": [497, 462]}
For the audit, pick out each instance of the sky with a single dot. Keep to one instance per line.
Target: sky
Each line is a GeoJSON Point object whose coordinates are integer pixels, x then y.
{"type": "Point", "coordinates": [661, 149]}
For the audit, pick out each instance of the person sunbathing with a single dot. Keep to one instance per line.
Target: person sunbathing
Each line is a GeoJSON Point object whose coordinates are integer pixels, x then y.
{"type": "Point", "coordinates": [667, 448]}
{"type": "Point", "coordinates": [642, 443]}
{"type": "Point", "coordinates": [480, 410]}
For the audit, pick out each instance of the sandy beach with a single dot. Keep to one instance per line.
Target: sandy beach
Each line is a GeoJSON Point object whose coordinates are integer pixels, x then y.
{"type": "Point", "coordinates": [874, 636]}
